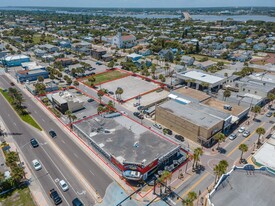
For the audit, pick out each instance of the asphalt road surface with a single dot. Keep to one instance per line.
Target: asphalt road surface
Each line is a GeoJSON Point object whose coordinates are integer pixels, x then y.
{"type": "Point", "coordinates": [87, 167]}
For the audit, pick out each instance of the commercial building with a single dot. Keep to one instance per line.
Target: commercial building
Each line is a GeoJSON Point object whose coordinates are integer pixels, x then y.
{"type": "Point", "coordinates": [31, 75]}
{"type": "Point", "coordinates": [244, 186]}
{"type": "Point", "coordinates": [50, 86]}
{"type": "Point", "coordinates": [130, 146]}
{"type": "Point", "coordinates": [65, 101]}
{"type": "Point", "coordinates": [199, 79]}
{"type": "Point", "coordinates": [198, 116]}
{"type": "Point", "coordinates": [98, 53]}
{"type": "Point", "coordinates": [127, 41]}
{"type": "Point", "coordinates": [15, 60]}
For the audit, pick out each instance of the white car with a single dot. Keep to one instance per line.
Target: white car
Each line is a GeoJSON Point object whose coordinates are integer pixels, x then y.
{"type": "Point", "coordinates": [64, 186]}
{"type": "Point", "coordinates": [36, 164]}
{"type": "Point", "coordinates": [241, 130]}
{"type": "Point", "coordinates": [246, 133]}
{"type": "Point", "coordinates": [158, 126]}
{"type": "Point", "coordinates": [232, 136]}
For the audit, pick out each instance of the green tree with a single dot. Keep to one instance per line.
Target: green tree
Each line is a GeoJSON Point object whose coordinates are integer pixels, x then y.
{"type": "Point", "coordinates": [220, 137]}
{"type": "Point", "coordinates": [40, 88]}
{"type": "Point", "coordinates": [76, 83]}
{"type": "Point", "coordinates": [111, 64]}
{"type": "Point", "coordinates": [271, 97]}
{"type": "Point", "coordinates": [119, 91]}
{"type": "Point", "coordinates": [12, 158]}
{"type": "Point", "coordinates": [260, 131]}
{"type": "Point", "coordinates": [198, 152]}
{"type": "Point", "coordinates": [220, 169]}
{"type": "Point", "coordinates": [100, 94]}
{"type": "Point", "coordinates": [191, 197]}
{"type": "Point", "coordinates": [40, 79]}
{"type": "Point", "coordinates": [226, 94]}
{"type": "Point", "coordinates": [91, 80]}
{"type": "Point", "coordinates": [165, 177]}
{"type": "Point", "coordinates": [71, 117]}
{"type": "Point", "coordinates": [243, 148]}
{"type": "Point", "coordinates": [100, 109]}
{"type": "Point", "coordinates": [17, 174]}
{"type": "Point", "coordinates": [256, 110]}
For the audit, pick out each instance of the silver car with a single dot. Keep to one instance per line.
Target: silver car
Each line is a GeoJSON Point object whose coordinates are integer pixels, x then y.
{"type": "Point", "coordinates": [246, 133]}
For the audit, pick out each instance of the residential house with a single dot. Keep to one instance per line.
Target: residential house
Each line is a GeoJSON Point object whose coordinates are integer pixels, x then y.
{"type": "Point", "coordinates": [166, 54]}
{"type": "Point", "coordinates": [259, 47]}
{"type": "Point", "coordinates": [82, 47]}
{"type": "Point", "coordinates": [187, 60]}
{"type": "Point", "coordinates": [205, 65]}
{"type": "Point", "coordinates": [127, 41]}
{"type": "Point", "coordinates": [98, 53]}
{"type": "Point", "coordinates": [145, 52]}
{"type": "Point", "coordinates": [39, 52]}
{"type": "Point", "coordinates": [65, 44]}
{"type": "Point", "coordinates": [49, 48]}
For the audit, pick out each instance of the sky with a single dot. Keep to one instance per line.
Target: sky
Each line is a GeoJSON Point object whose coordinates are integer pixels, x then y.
{"type": "Point", "coordinates": [138, 3]}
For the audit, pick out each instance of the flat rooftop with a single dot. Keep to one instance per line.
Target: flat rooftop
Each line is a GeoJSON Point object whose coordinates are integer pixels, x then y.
{"type": "Point", "coordinates": [241, 188]}
{"type": "Point", "coordinates": [125, 139]}
{"type": "Point", "coordinates": [192, 113]}
{"type": "Point", "coordinates": [193, 93]}
{"type": "Point", "coordinates": [218, 104]}
{"type": "Point", "coordinates": [202, 77]}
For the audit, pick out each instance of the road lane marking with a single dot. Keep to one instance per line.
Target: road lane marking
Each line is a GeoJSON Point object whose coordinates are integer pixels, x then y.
{"type": "Point", "coordinates": [75, 155]}
{"type": "Point", "coordinates": [43, 120]}
{"type": "Point", "coordinates": [193, 186]}
{"type": "Point", "coordinates": [92, 172]}
{"type": "Point", "coordinates": [245, 139]}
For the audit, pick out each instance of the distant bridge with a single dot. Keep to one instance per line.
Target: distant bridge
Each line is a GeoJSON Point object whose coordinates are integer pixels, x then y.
{"type": "Point", "coordinates": [186, 16]}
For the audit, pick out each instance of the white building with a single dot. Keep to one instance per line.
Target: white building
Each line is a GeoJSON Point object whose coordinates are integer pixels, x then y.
{"type": "Point", "coordinates": [127, 41]}
{"type": "Point", "coordinates": [65, 101]}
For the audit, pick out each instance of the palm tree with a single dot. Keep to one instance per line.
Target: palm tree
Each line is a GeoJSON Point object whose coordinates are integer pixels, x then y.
{"type": "Point", "coordinates": [226, 94]}
{"type": "Point", "coordinates": [256, 109]}
{"type": "Point", "coordinates": [243, 148]}
{"type": "Point", "coordinates": [198, 152]}
{"type": "Point", "coordinates": [17, 174]}
{"type": "Point", "coordinates": [40, 79]}
{"type": "Point", "coordinates": [11, 158]}
{"type": "Point", "coordinates": [220, 169]}
{"type": "Point", "coordinates": [70, 116]}
{"type": "Point", "coordinates": [100, 94]}
{"type": "Point", "coordinates": [119, 92]}
{"type": "Point", "coordinates": [100, 109]}
{"type": "Point", "coordinates": [271, 97]}
{"type": "Point", "coordinates": [165, 177]}
{"type": "Point", "coordinates": [91, 80]}
{"type": "Point", "coordinates": [260, 131]}
{"type": "Point", "coordinates": [219, 137]}
{"type": "Point", "coordinates": [191, 197]}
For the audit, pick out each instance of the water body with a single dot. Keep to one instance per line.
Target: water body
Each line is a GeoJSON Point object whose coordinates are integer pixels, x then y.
{"type": "Point", "coordinates": [204, 17]}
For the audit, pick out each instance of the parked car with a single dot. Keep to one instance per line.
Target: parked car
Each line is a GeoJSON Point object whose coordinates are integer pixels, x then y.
{"type": "Point", "coordinates": [64, 186]}
{"type": "Point", "coordinates": [123, 112]}
{"type": "Point", "coordinates": [77, 202]}
{"type": "Point", "coordinates": [34, 143]}
{"type": "Point", "coordinates": [55, 196]}
{"type": "Point", "coordinates": [136, 104]}
{"type": "Point", "coordinates": [168, 131]}
{"type": "Point", "coordinates": [98, 63]}
{"type": "Point", "coordinates": [139, 108]}
{"type": "Point", "coordinates": [232, 136]}
{"type": "Point", "coordinates": [246, 133]}
{"type": "Point", "coordinates": [52, 133]}
{"type": "Point", "coordinates": [158, 126]}
{"type": "Point", "coordinates": [136, 114]}
{"type": "Point", "coordinates": [179, 137]}
{"type": "Point", "coordinates": [12, 84]}
{"type": "Point", "coordinates": [241, 130]}
{"type": "Point", "coordinates": [36, 164]}
{"type": "Point", "coordinates": [269, 114]}
{"type": "Point", "coordinates": [90, 100]}
{"type": "Point", "coordinates": [111, 93]}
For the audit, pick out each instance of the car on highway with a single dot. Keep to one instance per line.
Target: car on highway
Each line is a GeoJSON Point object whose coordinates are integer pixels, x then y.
{"type": "Point", "coordinates": [64, 186]}
{"type": "Point", "coordinates": [179, 137]}
{"type": "Point", "coordinates": [77, 202]}
{"type": "Point", "coordinates": [269, 114]}
{"type": "Point", "coordinates": [34, 143]}
{"type": "Point", "coordinates": [36, 164]}
{"type": "Point", "coordinates": [55, 196]}
{"type": "Point", "coordinates": [241, 130]}
{"type": "Point", "coordinates": [232, 136]}
{"type": "Point", "coordinates": [158, 126]}
{"type": "Point", "coordinates": [52, 133]}
{"type": "Point", "coordinates": [246, 133]}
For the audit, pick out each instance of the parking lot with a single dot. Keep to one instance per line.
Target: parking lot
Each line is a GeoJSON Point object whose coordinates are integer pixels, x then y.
{"type": "Point", "coordinates": [132, 87]}
{"type": "Point", "coordinates": [147, 99]}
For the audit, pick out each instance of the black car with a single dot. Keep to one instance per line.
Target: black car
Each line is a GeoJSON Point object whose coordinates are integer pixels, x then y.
{"type": "Point", "coordinates": [136, 114]}
{"type": "Point", "coordinates": [77, 202]}
{"type": "Point", "coordinates": [269, 114]}
{"type": "Point", "coordinates": [168, 131]}
{"type": "Point", "coordinates": [111, 93]}
{"type": "Point", "coordinates": [139, 108]}
{"type": "Point", "coordinates": [34, 143]}
{"type": "Point", "coordinates": [52, 133]}
{"type": "Point", "coordinates": [55, 196]}
{"type": "Point", "coordinates": [90, 100]}
{"type": "Point", "coordinates": [179, 137]}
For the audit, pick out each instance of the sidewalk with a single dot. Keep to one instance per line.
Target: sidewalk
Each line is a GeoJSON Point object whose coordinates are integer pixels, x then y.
{"type": "Point", "coordinates": [38, 195]}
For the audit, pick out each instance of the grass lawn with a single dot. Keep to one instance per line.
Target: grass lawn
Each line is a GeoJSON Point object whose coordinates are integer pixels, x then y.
{"type": "Point", "coordinates": [108, 76]}
{"type": "Point", "coordinates": [26, 118]}
{"type": "Point", "coordinates": [19, 197]}
{"type": "Point", "coordinates": [199, 57]}
{"type": "Point", "coordinates": [37, 37]}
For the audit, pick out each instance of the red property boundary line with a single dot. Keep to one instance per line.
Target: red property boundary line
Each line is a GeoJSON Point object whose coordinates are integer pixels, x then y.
{"type": "Point", "coordinates": [142, 94]}
{"type": "Point", "coordinates": [97, 154]}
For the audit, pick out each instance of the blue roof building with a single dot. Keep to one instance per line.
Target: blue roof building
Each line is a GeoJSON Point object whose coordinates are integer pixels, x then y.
{"type": "Point", "coordinates": [31, 75]}
{"type": "Point", "coordinates": [16, 60]}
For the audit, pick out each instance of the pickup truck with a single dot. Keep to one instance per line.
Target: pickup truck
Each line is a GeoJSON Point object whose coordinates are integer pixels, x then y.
{"type": "Point", "coordinates": [55, 196]}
